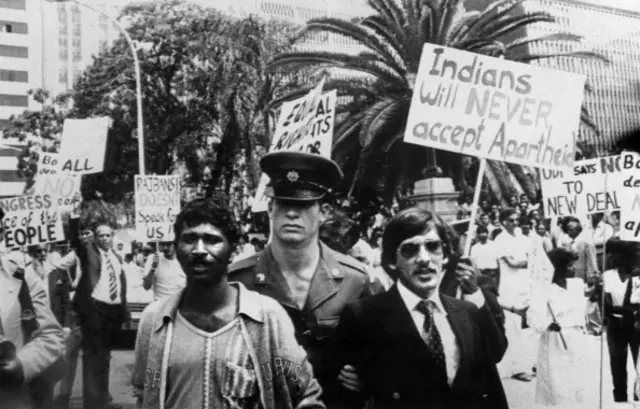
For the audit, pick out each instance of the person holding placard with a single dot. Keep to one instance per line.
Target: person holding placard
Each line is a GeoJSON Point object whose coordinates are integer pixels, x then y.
{"type": "Point", "coordinates": [618, 312]}
{"type": "Point", "coordinates": [101, 304]}
{"type": "Point", "coordinates": [414, 346]}
{"type": "Point", "coordinates": [558, 313]}
{"type": "Point", "coordinates": [312, 282]}
{"type": "Point", "coordinates": [31, 339]}
{"type": "Point", "coordinates": [163, 273]}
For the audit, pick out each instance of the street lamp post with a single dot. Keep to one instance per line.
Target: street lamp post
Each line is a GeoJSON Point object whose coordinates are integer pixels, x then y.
{"type": "Point", "coordinates": [136, 63]}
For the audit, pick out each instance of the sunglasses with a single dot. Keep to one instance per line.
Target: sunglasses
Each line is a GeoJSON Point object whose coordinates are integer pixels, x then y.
{"type": "Point", "coordinates": [409, 250]}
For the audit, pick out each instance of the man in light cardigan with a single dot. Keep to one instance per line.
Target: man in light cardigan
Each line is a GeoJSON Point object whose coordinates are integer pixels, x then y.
{"type": "Point", "coordinates": [215, 343]}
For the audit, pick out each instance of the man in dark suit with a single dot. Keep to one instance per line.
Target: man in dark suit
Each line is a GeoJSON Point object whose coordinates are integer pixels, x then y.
{"type": "Point", "coordinates": [413, 347]}
{"type": "Point", "coordinates": [101, 304]}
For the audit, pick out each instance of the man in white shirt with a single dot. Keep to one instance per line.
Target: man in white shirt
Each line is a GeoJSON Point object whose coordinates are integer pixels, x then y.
{"type": "Point", "coordinates": [163, 273]}
{"type": "Point", "coordinates": [513, 251]}
{"type": "Point", "coordinates": [484, 255]}
{"type": "Point", "coordinates": [414, 347]}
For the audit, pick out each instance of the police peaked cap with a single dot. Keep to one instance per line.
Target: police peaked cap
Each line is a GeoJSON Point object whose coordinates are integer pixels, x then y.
{"type": "Point", "coordinates": [299, 176]}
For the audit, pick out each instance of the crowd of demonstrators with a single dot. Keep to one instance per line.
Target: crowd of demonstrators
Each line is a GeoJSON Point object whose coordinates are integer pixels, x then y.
{"type": "Point", "coordinates": [298, 316]}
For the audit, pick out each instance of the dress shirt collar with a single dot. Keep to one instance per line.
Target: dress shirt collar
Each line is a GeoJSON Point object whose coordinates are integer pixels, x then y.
{"type": "Point", "coordinates": [411, 300]}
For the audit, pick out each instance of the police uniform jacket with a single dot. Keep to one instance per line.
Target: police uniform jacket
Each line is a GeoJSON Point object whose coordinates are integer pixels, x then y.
{"type": "Point", "coordinates": [337, 281]}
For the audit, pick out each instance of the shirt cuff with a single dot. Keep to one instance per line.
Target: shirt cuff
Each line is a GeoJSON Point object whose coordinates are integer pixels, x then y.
{"type": "Point", "coordinates": [476, 298]}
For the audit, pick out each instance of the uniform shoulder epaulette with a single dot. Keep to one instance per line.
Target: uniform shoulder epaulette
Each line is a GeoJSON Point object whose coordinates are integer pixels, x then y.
{"type": "Point", "coordinates": [244, 264]}
{"type": "Point", "coordinates": [351, 262]}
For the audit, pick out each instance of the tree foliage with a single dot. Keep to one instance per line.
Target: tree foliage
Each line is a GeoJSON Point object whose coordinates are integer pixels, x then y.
{"type": "Point", "coordinates": [205, 90]}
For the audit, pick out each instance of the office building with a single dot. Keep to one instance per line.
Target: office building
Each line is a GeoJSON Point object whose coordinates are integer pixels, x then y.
{"type": "Point", "coordinates": [614, 102]}
{"type": "Point", "coordinates": [75, 35]}
{"type": "Point", "coordinates": [20, 55]}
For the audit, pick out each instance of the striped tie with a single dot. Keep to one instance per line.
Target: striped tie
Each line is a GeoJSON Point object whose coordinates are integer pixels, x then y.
{"type": "Point", "coordinates": [113, 285]}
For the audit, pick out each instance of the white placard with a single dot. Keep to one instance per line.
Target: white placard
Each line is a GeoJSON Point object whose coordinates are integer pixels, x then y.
{"type": "Point", "coordinates": [630, 198]}
{"type": "Point", "coordinates": [592, 186]}
{"type": "Point", "coordinates": [157, 200]}
{"type": "Point", "coordinates": [33, 219]}
{"type": "Point", "coordinates": [495, 109]}
{"type": "Point", "coordinates": [84, 142]}
{"type": "Point", "coordinates": [313, 134]}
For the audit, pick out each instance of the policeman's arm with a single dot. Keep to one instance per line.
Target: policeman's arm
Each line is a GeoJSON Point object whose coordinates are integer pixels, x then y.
{"type": "Point", "coordinates": [346, 349]}
{"type": "Point", "coordinates": [74, 238]}
{"type": "Point", "coordinates": [47, 344]}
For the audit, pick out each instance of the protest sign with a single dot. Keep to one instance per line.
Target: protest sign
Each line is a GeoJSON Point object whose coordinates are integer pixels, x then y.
{"type": "Point", "coordinates": [63, 187]}
{"type": "Point", "coordinates": [29, 220]}
{"type": "Point", "coordinates": [312, 133]}
{"type": "Point", "coordinates": [83, 145]}
{"type": "Point", "coordinates": [48, 165]}
{"type": "Point", "coordinates": [630, 197]}
{"type": "Point", "coordinates": [592, 186]}
{"type": "Point", "coordinates": [495, 109]}
{"type": "Point", "coordinates": [157, 200]}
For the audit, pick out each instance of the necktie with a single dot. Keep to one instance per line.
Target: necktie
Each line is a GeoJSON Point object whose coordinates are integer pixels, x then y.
{"type": "Point", "coordinates": [113, 285]}
{"type": "Point", "coordinates": [431, 334]}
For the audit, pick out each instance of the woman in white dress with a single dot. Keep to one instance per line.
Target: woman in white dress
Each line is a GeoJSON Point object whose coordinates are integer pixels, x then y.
{"type": "Point", "coordinates": [558, 312]}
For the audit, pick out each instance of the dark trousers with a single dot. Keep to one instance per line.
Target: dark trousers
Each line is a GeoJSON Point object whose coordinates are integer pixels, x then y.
{"type": "Point", "coordinates": [621, 336]}
{"type": "Point", "coordinates": [98, 328]}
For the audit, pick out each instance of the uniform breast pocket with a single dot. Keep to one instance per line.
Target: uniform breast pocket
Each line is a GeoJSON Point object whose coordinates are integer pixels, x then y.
{"type": "Point", "coordinates": [240, 388]}
{"type": "Point", "coordinates": [326, 327]}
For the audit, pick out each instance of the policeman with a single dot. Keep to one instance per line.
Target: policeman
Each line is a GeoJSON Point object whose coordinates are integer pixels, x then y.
{"type": "Point", "coordinates": [312, 282]}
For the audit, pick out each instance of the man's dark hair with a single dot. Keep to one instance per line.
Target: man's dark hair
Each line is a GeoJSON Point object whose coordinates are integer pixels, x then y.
{"type": "Point", "coordinates": [206, 211]}
{"type": "Point", "coordinates": [560, 259]}
{"type": "Point", "coordinates": [495, 233]}
{"type": "Point", "coordinates": [1, 214]}
{"type": "Point", "coordinates": [506, 213]}
{"type": "Point", "coordinates": [413, 222]}
{"type": "Point", "coordinates": [567, 220]}
{"type": "Point", "coordinates": [481, 230]}
{"type": "Point", "coordinates": [128, 257]}
{"type": "Point", "coordinates": [627, 250]}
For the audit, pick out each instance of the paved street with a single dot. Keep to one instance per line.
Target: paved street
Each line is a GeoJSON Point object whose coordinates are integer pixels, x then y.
{"type": "Point", "coordinates": [521, 395]}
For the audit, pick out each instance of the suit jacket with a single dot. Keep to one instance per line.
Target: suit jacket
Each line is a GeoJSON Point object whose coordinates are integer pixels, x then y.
{"type": "Point", "coordinates": [47, 344]}
{"type": "Point", "coordinates": [379, 337]}
{"type": "Point", "coordinates": [91, 264]}
{"type": "Point", "coordinates": [497, 338]}
{"type": "Point", "coordinates": [60, 295]}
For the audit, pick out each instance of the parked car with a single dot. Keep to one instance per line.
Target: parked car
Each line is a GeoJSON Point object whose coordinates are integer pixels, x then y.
{"type": "Point", "coordinates": [137, 299]}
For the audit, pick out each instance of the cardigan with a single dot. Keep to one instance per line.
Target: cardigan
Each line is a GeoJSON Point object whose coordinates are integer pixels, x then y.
{"type": "Point", "coordinates": [279, 372]}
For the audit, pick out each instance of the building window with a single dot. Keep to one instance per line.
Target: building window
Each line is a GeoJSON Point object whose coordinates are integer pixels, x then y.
{"type": "Point", "coordinates": [14, 4]}
{"type": "Point", "coordinates": [62, 13]}
{"type": "Point", "coordinates": [8, 100]}
{"type": "Point", "coordinates": [14, 76]}
{"type": "Point", "coordinates": [76, 75]}
{"type": "Point", "coordinates": [77, 55]}
{"type": "Point", "coordinates": [104, 45]}
{"type": "Point", "coordinates": [13, 51]}
{"type": "Point", "coordinates": [75, 16]}
{"type": "Point", "coordinates": [63, 55]}
{"type": "Point", "coordinates": [63, 76]}
{"type": "Point", "coordinates": [13, 27]}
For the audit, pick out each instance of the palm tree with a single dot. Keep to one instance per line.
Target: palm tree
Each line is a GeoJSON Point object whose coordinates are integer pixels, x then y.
{"type": "Point", "coordinates": [377, 84]}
